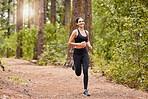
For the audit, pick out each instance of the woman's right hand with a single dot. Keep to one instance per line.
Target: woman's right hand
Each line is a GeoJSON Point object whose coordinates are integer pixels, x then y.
{"type": "Point", "coordinates": [83, 44]}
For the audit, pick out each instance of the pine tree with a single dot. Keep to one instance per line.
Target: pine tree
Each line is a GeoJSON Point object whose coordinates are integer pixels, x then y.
{"type": "Point", "coordinates": [41, 29]}
{"type": "Point", "coordinates": [53, 12]}
{"type": "Point", "coordinates": [19, 25]}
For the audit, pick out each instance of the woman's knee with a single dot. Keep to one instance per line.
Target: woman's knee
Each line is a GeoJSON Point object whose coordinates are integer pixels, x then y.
{"type": "Point", "coordinates": [78, 73]}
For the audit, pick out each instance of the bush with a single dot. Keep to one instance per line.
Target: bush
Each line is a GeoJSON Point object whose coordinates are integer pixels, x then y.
{"type": "Point", "coordinates": [55, 44]}
{"type": "Point", "coordinates": [29, 39]}
{"type": "Point", "coordinates": [120, 41]}
{"type": "Point", "coordinates": [7, 43]}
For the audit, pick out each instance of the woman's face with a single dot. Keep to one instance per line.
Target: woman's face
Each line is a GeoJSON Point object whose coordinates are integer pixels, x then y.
{"type": "Point", "coordinates": [81, 22]}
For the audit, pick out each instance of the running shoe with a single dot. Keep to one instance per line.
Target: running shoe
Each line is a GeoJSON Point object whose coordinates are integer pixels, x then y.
{"type": "Point", "coordinates": [86, 93]}
{"type": "Point", "coordinates": [73, 66]}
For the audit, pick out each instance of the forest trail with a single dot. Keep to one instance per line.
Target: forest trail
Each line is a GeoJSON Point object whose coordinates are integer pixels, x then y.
{"type": "Point", "coordinates": [24, 80]}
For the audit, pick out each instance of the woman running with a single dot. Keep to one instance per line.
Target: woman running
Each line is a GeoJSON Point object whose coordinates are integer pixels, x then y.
{"type": "Point", "coordinates": [80, 54]}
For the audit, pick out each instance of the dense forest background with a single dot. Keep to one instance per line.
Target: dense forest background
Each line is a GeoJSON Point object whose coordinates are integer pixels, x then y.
{"type": "Point", "coordinates": [40, 29]}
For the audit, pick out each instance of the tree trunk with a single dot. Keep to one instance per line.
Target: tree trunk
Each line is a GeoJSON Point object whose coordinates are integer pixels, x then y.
{"type": "Point", "coordinates": [77, 11]}
{"type": "Point", "coordinates": [36, 8]}
{"type": "Point", "coordinates": [8, 23]}
{"type": "Point", "coordinates": [19, 23]}
{"type": "Point", "coordinates": [29, 12]}
{"type": "Point", "coordinates": [14, 15]}
{"type": "Point", "coordinates": [80, 8]}
{"type": "Point", "coordinates": [38, 22]}
{"type": "Point", "coordinates": [45, 11]}
{"type": "Point", "coordinates": [40, 30]}
{"type": "Point", "coordinates": [88, 26]}
{"type": "Point", "coordinates": [36, 5]}
{"type": "Point", "coordinates": [33, 13]}
{"type": "Point", "coordinates": [53, 12]}
{"type": "Point", "coordinates": [67, 12]}
{"type": "Point", "coordinates": [88, 20]}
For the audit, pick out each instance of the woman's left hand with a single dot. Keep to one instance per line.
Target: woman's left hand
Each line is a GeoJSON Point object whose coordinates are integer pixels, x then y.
{"type": "Point", "coordinates": [90, 47]}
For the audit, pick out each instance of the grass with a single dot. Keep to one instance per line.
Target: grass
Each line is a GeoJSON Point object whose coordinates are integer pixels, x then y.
{"type": "Point", "coordinates": [18, 80]}
{"type": "Point", "coordinates": [4, 63]}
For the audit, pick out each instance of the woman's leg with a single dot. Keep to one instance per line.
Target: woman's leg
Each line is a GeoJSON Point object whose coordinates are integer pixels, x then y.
{"type": "Point", "coordinates": [85, 62]}
{"type": "Point", "coordinates": [77, 64]}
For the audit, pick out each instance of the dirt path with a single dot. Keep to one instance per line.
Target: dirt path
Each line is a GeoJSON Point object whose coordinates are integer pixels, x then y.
{"type": "Point", "coordinates": [53, 82]}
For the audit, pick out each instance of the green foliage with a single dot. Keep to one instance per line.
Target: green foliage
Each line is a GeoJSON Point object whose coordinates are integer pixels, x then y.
{"type": "Point", "coordinates": [18, 80]}
{"type": "Point", "coordinates": [55, 43]}
{"type": "Point", "coordinates": [4, 63]}
{"type": "Point", "coordinates": [9, 43]}
{"type": "Point", "coordinates": [55, 46]}
{"type": "Point", "coordinates": [7, 46]}
{"type": "Point", "coordinates": [4, 17]}
{"type": "Point", "coordinates": [120, 41]}
{"type": "Point", "coordinates": [29, 38]}
{"type": "Point", "coordinates": [60, 11]}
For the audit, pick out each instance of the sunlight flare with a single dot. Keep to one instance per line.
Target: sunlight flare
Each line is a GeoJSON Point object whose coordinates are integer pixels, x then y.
{"type": "Point", "coordinates": [28, 11]}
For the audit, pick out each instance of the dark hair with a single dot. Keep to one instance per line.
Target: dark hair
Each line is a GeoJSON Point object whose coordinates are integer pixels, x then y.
{"type": "Point", "coordinates": [78, 19]}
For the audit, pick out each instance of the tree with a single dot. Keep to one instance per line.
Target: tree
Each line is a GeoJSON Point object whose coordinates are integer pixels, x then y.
{"type": "Point", "coordinates": [88, 20]}
{"type": "Point", "coordinates": [67, 12]}
{"type": "Point", "coordinates": [8, 23]}
{"type": "Point", "coordinates": [53, 12]}
{"type": "Point", "coordinates": [19, 25]}
{"type": "Point", "coordinates": [14, 13]}
{"type": "Point", "coordinates": [39, 20]}
{"type": "Point", "coordinates": [5, 22]}
{"type": "Point", "coordinates": [36, 6]}
{"type": "Point", "coordinates": [45, 10]}
{"type": "Point", "coordinates": [5, 6]}
{"type": "Point", "coordinates": [79, 9]}
{"type": "Point", "coordinates": [41, 29]}
{"type": "Point", "coordinates": [29, 12]}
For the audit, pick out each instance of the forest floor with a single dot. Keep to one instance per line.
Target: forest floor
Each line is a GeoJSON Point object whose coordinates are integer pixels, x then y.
{"type": "Point", "coordinates": [25, 80]}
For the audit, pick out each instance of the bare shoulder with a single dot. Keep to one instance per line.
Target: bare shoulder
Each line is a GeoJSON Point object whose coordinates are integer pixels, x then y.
{"type": "Point", "coordinates": [87, 32]}
{"type": "Point", "coordinates": [75, 32]}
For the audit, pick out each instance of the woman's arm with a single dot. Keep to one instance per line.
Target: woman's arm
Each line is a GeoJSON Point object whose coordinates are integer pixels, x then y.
{"type": "Point", "coordinates": [71, 43]}
{"type": "Point", "coordinates": [88, 42]}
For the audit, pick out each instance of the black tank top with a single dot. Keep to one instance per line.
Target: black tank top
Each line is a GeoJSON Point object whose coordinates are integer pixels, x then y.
{"type": "Point", "coordinates": [81, 38]}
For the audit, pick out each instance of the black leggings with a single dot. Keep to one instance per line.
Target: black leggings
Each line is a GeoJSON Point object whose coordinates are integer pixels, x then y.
{"type": "Point", "coordinates": [80, 56]}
